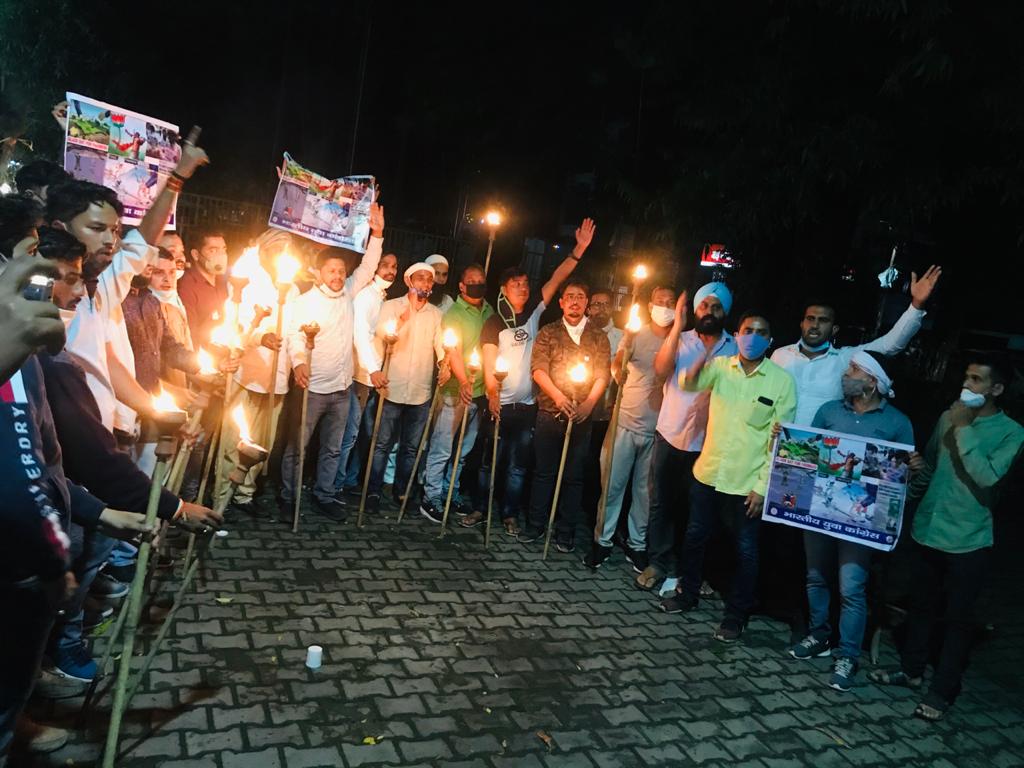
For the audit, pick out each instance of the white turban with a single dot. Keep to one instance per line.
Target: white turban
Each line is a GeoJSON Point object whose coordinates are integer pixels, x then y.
{"type": "Point", "coordinates": [436, 258]}
{"type": "Point", "coordinates": [870, 366]}
{"type": "Point", "coordinates": [419, 266]}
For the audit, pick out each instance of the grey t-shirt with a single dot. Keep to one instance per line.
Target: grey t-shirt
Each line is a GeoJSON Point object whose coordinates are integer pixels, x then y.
{"type": "Point", "coordinates": [642, 392]}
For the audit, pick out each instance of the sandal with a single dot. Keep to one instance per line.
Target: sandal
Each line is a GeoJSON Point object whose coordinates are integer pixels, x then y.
{"type": "Point", "coordinates": [511, 526]}
{"type": "Point", "coordinates": [930, 712]}
{"type": "Point", "coordinates": [472, 520]}
{"type": "Point", "coordinates": [894, 677]}
{"type": "Point", "coordinates": [649, 579]}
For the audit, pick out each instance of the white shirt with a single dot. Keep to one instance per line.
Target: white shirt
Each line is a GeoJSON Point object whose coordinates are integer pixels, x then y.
{"type": "Point", "coordinates": [515, 345]}
{"type": "Point", "coordinates": [820, 379]}
{"type": "Point", "coordinates": [332, 366]}
{"type": "Point", "coordinates": [99, 320]}
{"type": "Point", "coordinates": [575, 331]}
{"type": "Point", "coordinates": [411, 371]}
{"type": "Point", "coordinates": [366, 309]}
{"type": "Point", "coordinates": [446, 303]}
{"type": "Point", "coordinates": [254, 365]}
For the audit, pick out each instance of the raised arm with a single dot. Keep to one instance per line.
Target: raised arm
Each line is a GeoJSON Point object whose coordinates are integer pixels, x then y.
{"type": "Point", "coordinates": [363, 274]}
{"type": "Point", "coordinates": [665, 360]}
{"type": "Point", "coordinates": [909, 324]}
{"type": "Point", "coordinates": [584, 235]}
{"type": "Point", "coordinates": [192, 157]}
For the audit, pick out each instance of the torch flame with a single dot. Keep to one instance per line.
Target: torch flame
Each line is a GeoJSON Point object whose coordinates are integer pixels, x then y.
{"type": "Point", "coordinates": [474, 359]}
{"type": "Point", "coordinates": [634, 324]}
{"type": "Point", "coordinates": [493, 219]}
{"type": "Point", "coordinates": [243, 426]}
{"type": "Point", "coordinates": [164, 402]}
{"type": "Point", "coordinates": [206, 365]}
{"type": "Point", "coordinates": [248, 263]}
{"type": "Point", "coordinates": [501, 365]}
{"type": "Point", "coordinates": [287, 267]}
{"type": "Point", "coordinates": [578, 373]}
{"type": "Point", "coordinates": [640, 273]}
{"type": "Point", "coordinates": [391, 327]}
{"type": "Point", "coordinates": [450, 340]}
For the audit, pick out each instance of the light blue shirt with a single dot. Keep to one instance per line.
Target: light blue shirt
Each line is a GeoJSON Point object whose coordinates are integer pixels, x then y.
{"type": "Point", "coordinates": [683, 420]}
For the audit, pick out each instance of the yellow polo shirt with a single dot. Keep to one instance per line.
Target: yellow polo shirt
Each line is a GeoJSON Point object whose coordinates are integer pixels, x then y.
{"type": "Point", "coordinates": [735, 458]}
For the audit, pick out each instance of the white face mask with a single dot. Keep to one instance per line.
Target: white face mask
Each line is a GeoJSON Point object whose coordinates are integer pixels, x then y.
{"type": "Point", "coordinates": [971, 399]}
{"type": "Point", "coordinates": [167, 297]}
{"type": "Point", "coordinates": [180, 273]}
{"type": "Point", "coordinates": [381, 283]}
{"type": "Point", "coordinates": [663, 316]}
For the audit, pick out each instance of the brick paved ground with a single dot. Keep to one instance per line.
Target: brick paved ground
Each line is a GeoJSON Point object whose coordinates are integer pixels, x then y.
{"type": "Point", "coordinates": [443, 653]}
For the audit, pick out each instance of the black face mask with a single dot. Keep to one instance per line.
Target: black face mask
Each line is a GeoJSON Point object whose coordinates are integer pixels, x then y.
{"type": "Point", "coordinates": [476, 291]}
{"type": "Point", "coordinates": [711, 325]}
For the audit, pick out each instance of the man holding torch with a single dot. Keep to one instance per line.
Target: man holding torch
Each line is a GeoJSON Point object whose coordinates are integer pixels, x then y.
{"type": "Point", "coordinates": [634, 434]}
{"type": "Point", "coordinates": [328, 375]}
{"type": "Point", "coordinates": [406, 388]}
{"type": "Point", "coordinates": [510, 333]}
{"type": "Point", "coordinates": [559, 347]}
{"type": "Point", "coordinates": [466, 317]}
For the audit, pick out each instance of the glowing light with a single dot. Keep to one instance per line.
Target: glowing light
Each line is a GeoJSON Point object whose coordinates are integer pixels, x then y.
{"type": "Point", "coordinates": [243, 426]}
{"type": "Point", "coordinates": [206, 366]}
{"type": "Point", "coordinates": [640, 273]}
{"type": "Point", "coordinates": [501, 365]}
{"type": "Point", "coordinates": [450, 339]}
{"type": "Point", "coordinates": [578, 373]}
{"type": "Point", "coordinates": [391, 328]}
{"type": "Point", "coordinates": [248, 263]}
{"type": "Point", "coordinates": [474, 359]}
{"type": "Point", "coordinates": [287, 267]}
{"type": "Point", "coordinates": [633, 325]}
{"type": "Point", "coordinates": [6, 189]}
{"type": "Point", "coordinates": [164, 403]}
{"type": "Point", "coordinates": [493, 219]}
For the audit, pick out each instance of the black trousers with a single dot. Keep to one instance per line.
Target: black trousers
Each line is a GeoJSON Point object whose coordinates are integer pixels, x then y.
{"type": "Point", "coordinates": [669, 492]}
{"type": "Point", "coordinates": [548, 440]}
{"type": "Point", "coordinates": [952, 582]}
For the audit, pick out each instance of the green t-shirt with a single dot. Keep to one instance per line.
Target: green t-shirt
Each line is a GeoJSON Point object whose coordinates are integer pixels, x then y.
{"type": "Point", "coordinates": [467, 321]}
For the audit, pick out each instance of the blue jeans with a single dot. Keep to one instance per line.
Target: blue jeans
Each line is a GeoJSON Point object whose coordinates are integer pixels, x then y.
{"type": "Point", "coordinates": [632, 456]}
{"type": "Point", "coordinates": [438, 474]}
{"type": "Point", "coordinates": [824, 555]}
{"type": "Point", "coordinates": [89, 551]}
{"type": "Point", "coordinates": [404, 425]}
{"type": "Point", "coordinates": [515, 457]}
{"type": "Point", "coordinates": [330, 411]}
{"type": "Point", "coordinates": [356, 440]}
{"type": "Point", "coordinates": [707, 506]}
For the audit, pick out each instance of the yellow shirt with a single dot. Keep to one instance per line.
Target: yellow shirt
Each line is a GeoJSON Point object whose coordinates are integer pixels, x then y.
{"type": "Point", "coordinates": [735, 458]}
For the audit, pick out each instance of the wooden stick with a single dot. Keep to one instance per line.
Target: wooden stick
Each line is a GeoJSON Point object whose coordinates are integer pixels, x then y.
{"type": "Point", "coordinates": [613, 427]}
{"type": "Point", "coordinates": [558, 487]}
{"type": "Point", "coordinates": [455, 468]}
{"type": "Point", "coordinates": [435, 406]}
{"type": "Point", "coordinates": [229, 386]}
{"type": "Point", "coordinates": [376, 430]}
{"type": "Point", "coordinates": [282, 295]}
{"type": "Point", "coordinates": [494, 462]}
{"type": "Point", "coordinates": [311, 330]}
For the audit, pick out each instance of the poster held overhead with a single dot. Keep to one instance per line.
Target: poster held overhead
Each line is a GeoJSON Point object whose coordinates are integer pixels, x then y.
{"type": "Point", "coordinates": [329, 211]}
{"type": "Point", "coordinates": [129, 152]}
{"type": "Point", "coordinates": [845, 486]}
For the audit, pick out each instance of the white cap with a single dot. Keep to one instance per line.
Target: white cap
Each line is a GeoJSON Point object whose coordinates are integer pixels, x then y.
{"type": "Point", "coordinates": [419, 266]}
{"type": "Point", "coordinates": [436, 258]}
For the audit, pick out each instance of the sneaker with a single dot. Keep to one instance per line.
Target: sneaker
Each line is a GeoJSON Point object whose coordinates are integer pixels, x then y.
{"type": "Point", "coordinates": [245, 508]}
{"type": "Point", "coordinates": [37, 738]}
{"type": "Point", "coordinates": [528, 536]}
{"type": "Point", "coordinates": [123, 573]}
{"type": "Point", "coordinates": [678, 603]}
{"type": "Point", "coordinates": [810, 647]}
{"type": "Point", "coordinates": [463, 510]}
{"type": "Point", "coordinates": [429, 511]}
{"type": "Point", "coordinates": [843, 671]}
{"type": "Point", "coordinates": [106, 587]}
{"type": "Point", "coordinates": [332, 509]}
{"type": "Point", "coordinates": [728, 631]}
{"type": "Point", "coordinates": [352, 492]}
{"type": "Point", "coordinates": [473, 519]}
{"type": "Point", "coordinates": [95, 614]}
{"type": "Point", "coordinates": [565, 546]}
{"type": "Point", "coordinates": [595, 558]}
{"type": "Point", "coordinates": [53, 684]}
{"type": "Point", "coordinates": [636, 558]}
{"type": "Point", "coordinates": [372, 504]}
{"type": "Point", "coordinates": [76, 663]}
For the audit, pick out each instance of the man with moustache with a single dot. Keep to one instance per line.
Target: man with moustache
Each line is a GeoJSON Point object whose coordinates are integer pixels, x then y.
{"type": "Point", "coordinates": [438, 297]}
{"type": "Point", "coordinates": [204, 287]}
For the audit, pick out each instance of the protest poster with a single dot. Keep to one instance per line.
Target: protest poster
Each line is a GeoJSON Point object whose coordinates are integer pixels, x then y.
{"type": "Point", "coordinates": [329, 211]}
{"type": "Point", "coordinates": [845, 486]}
{"type": "Point", "coordinates": [129, 152]}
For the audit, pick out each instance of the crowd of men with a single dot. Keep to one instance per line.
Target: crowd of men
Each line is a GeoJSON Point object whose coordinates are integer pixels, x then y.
{"type": "Point", "coordinates": [698, 408]}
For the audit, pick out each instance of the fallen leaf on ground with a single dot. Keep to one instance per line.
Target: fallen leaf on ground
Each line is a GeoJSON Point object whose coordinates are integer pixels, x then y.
{"type": "Point", "coordinates": [487, 710]}
{"type": "Point", "coordinates": [369, 741]}
{"type": "Point", "coordinates": [838, 740]}
{"type": "Point", "coordinates": [546, 738]}
{"type": "Point", "coordinates": [224, 600]}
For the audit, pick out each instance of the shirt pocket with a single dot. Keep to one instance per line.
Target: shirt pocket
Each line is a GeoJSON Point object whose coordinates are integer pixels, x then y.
{"type": "Point", "coordinates": [759, 414]}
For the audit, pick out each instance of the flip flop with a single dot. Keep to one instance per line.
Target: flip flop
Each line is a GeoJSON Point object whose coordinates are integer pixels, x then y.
{"type": "Point", "coordinates": [929, 712]}
{"type": "Point", "coordinates": [648, 580]}
{"type": "Point", "coordinates": [895, 677]}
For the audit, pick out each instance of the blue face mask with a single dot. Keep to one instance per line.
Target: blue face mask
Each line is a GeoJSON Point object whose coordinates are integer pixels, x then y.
{"type": "Point", "coordinates": [421, 293]}
{"type": "Point", "coordinates": [753, 345]}
{"type": "Point", "coordinates": [820, 348]}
